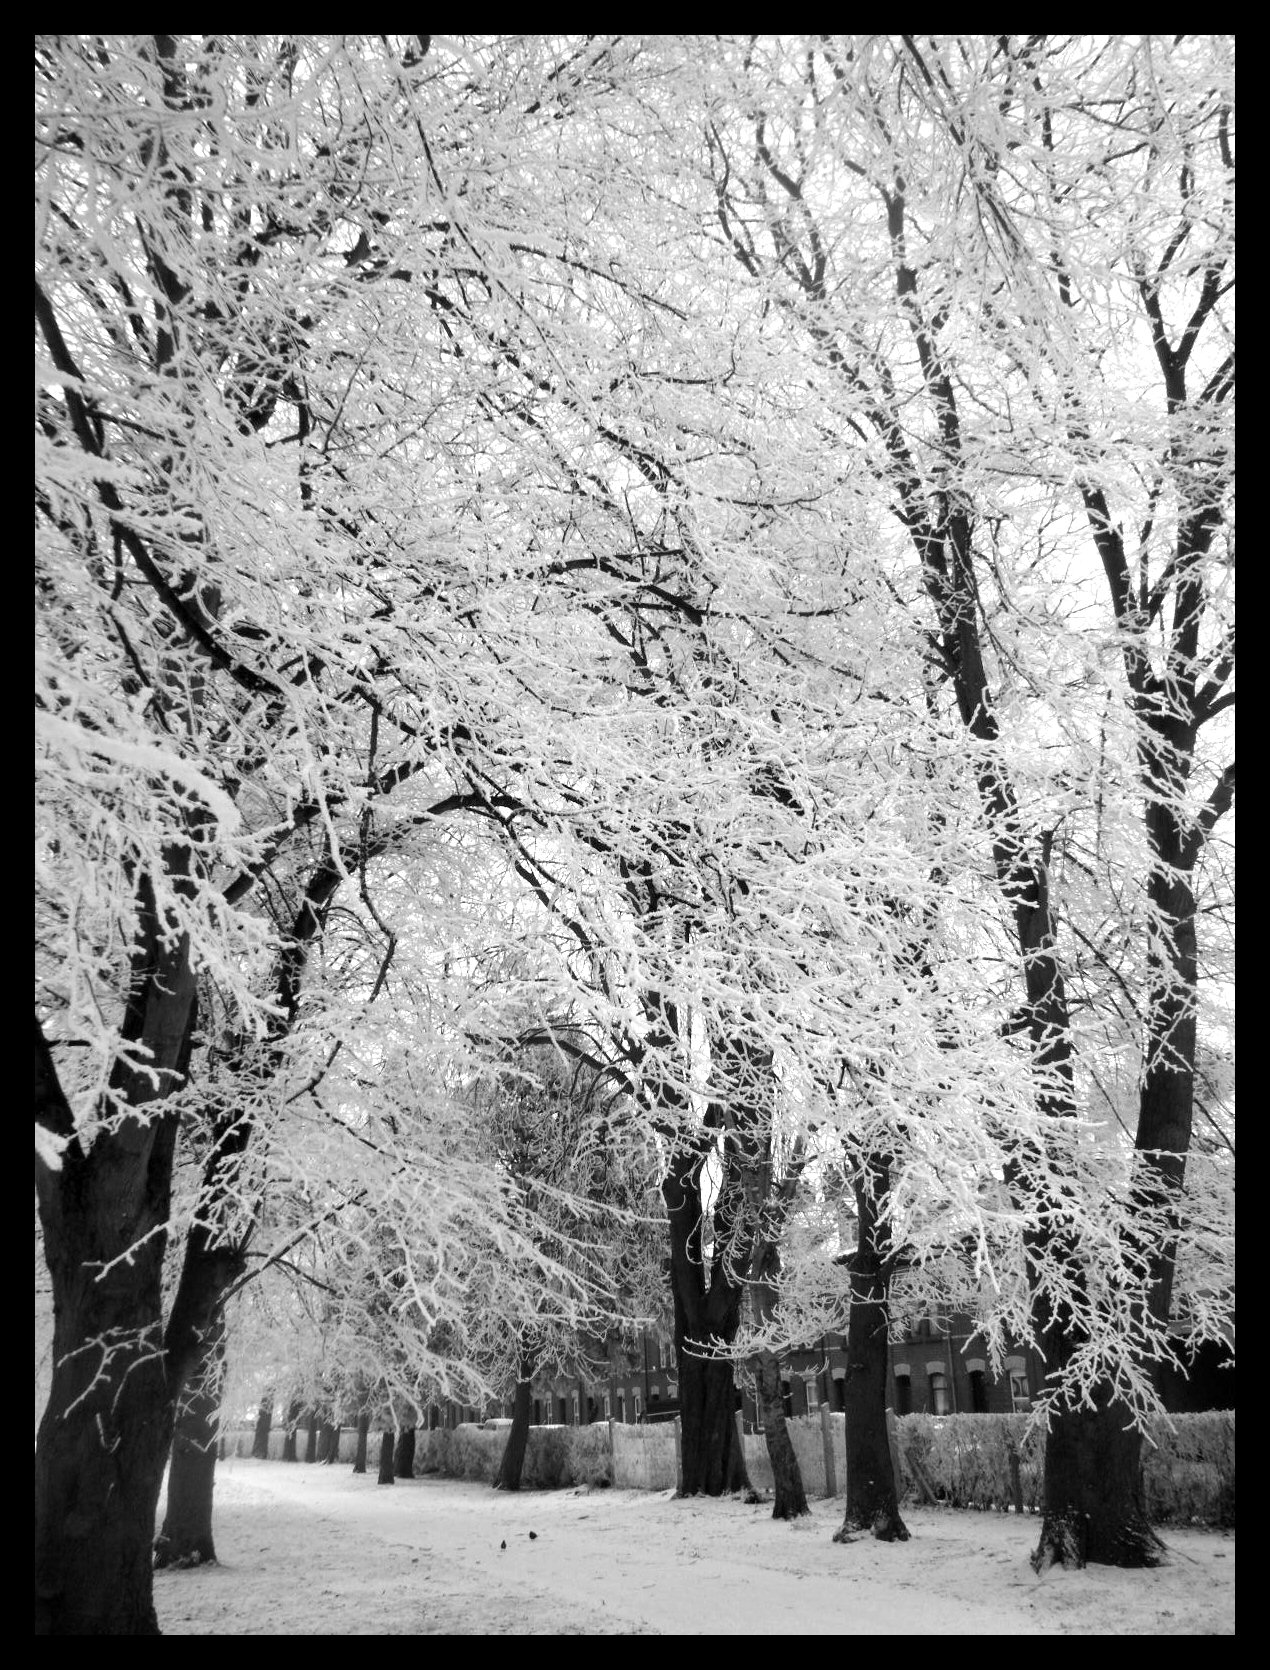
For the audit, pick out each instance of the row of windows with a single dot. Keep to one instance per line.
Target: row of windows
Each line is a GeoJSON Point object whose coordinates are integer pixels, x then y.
{"type": "Point", "coordinates": [940, 1400]}
{"type": "Point", "coordinates": [626, 1406]}
{"type": "Point", "coordinates": [941, 1397]}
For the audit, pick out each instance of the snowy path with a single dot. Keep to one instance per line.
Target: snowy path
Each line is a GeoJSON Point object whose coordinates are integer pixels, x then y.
{"type": "Point", "coordinates": [311, 1551]}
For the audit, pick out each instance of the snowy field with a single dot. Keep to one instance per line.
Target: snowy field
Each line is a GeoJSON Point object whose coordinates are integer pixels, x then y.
{"type": "Point", "coordinates": [309, 1550]}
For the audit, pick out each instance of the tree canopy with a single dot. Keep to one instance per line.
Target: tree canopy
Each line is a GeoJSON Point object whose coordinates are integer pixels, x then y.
{"type": "Point", "coordinates": [713, 561]}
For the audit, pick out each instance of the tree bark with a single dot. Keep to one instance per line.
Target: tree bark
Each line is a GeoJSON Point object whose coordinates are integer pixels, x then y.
{"type": "Point", "coordinates": [713, 1459]}
{"type": "Point", "coordinates": [310, 1435]}
{"type": "Point", "coordinates": [329, 1443]}
{"type": "Point", "coordinates": [769, 1202]}
{"type": "Point", "coordinates": [363, 1436]}
{"type": "Point", "coordinates": [790, 1496]}
{"type": "Point", "coordinates": [104, 1436]}
{"type": "Point", "coordinates": [1094, 1506]}
{"type": "Point", "coordinates": [186, 1536]}
{"type": "Point", "coordinates": [513, 1462]}
{"type": "Point", "coordinates": [404, 1460]}
{"type": "Point", "coordinates": [387, 1445]}
{"type": "Point", "coordinates": [294, 1411]}
{"type": "Point", "coordinates": [264, 1420]}
{"type": "Point", "coordinates": [872, 1504]}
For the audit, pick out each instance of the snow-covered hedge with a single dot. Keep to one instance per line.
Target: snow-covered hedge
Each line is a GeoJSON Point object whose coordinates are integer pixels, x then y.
{"type": "Point", "coordinates": [1189, 1473]}
{"type": "Point", "coordinates": [556, 1455]}
{"type": "Point", "coordinates": [966, 1460]}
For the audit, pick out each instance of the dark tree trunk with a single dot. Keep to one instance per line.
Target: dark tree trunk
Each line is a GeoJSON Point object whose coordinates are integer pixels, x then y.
{"type": "Point", "coordinates": [513, 1462]}
{"type": "Point", "coordinates": [94, 1564]}
{"type": "Point", "coordinates": [769, 1202]}
{"type": "Point", "coordinates": [872, 1504]}
{"type": "Point", "coordinates": [264, 1420]}
{"type": "Point", "coordinates": [311, 1435]}
{"type": "Point", "coordinates": [186, 1537]}
{"type": "Point", "coordinates": [386, 1448]}
{"type": "Point", "coordinates": [293, 1417]}
{"type": "Point", "coordinates": [404, 1462]}
{"type": "Point", "coordinates": [104, 1436]}
{"type": "Point", "coordinates": [329, 1444]}
{"type": "Point", "coordinates": [1094, 1507]}
{"type": "Point", "coordinates": [363, 1436]}
{"type": "Point", "coordinates": [712, 1456]}
{"type": "Point", "coordinates": [790, 1497]}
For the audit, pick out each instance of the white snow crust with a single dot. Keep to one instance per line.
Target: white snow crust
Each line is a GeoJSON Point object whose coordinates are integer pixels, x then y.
{"type": "Point", "coordinates": [313, 1550]}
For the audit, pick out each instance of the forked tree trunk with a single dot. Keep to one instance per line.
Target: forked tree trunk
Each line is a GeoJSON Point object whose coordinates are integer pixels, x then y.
{"type": "Point", "coordinates": [387, 1445]}
{"type": "Point", "coordinates": [404, 1461]}
{"type": "Point", "coordinates": [264, 1420]}
{"type": "Point", "coordinates": [363, 1435]}
{"type": "Point", "coordinates": [790, 1496]}
{"type": "Point", "coordinates": [186, 1537]}
{"type": "Point", "coordinates": [872, 1503]}
{"type": "Point", "coordinates": [512, 1464]}
{"type": "Point", "coordinates": [712, 1456]}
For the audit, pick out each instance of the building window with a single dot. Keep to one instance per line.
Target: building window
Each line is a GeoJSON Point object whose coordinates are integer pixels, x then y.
{"type": "Point", "coordinates": [1020, 1394]}
{"type": "Point", "coordinates": [621, 1406]}
{"type": "Point", "coordinates": [608, 1407]}
{"type": "Point", "coordinates": [978, 1392]}
{"type": "Point", "coordinates": [787, 1397]}
{"type": "Point", "coordinates": [639, 1404]}
{"type": "Point", "coordinates": [577, 1410]}
{"type": "Point", "coordinates": [812, 1388]}
{"type": "Point", "coordinates": [903, 1394]}
{"type": "Point", "coordinates": [940, 1402]}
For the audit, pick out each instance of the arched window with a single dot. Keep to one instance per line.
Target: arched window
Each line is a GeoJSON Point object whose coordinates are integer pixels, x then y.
{"type": "Point", "coordinates": [940, 1402]}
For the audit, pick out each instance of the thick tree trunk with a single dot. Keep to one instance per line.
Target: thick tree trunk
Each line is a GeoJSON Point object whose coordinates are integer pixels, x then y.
{"type": "Point", "coordinates": [98, 1470]}
{"type": "Point", "coordinates": [311, 1435]}
{"type": "Point", "coordinates": [712, 1456]}
{"type": "Point", "coordinates": [264, 1420]}
{"type": "Point", "coordinates": [404, 1460]}
{"type": "Point", "coordinates": [1094, 1507]}
{"type": "Point", "coordinates": [329, 1444]}
{"type": "Point", "coordinates": [513, 1462]}
{"type": "Point", "coordinates": [790, 1497]}
{"type": "Point", "coordinates": [186, 1537]}
{"type": "Point", "coordinates": [104, 1436]}
{"type": "Point", "coordinates": [363, 1436]}
{"type": "Point", "coordinates": [872, 1504]}
{"type": "Point", "coordinates": [387, 1446]}
{"type": "Point", "coordinates": [294, 1412]}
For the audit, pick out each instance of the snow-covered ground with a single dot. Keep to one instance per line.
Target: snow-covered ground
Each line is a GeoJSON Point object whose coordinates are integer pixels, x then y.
{"type": "Point", "coordinates": [311, 1550]}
